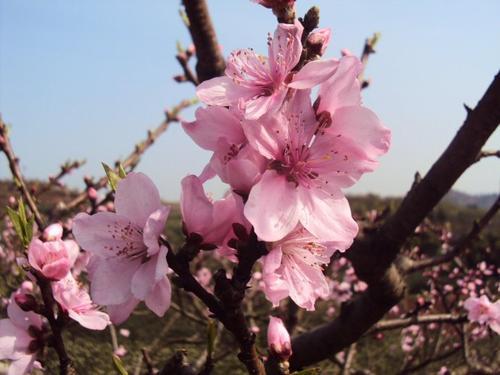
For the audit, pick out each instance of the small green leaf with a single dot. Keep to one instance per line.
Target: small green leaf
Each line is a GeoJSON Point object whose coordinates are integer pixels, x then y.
{"type": "Point", "coordinates": [211, 336]}
{"type": "Point", "coordinates": [179, 48]}
{"type": "Point", "coordinates": [113, 177]}
{"type": "Point", "coordinates": [121, 171]}
{"type": "Point", "coordinates": [119, 365]}
{"type": "Point", "coordinates": [14, 217]}
{"type": "Point", "coordinates": [184, 18]}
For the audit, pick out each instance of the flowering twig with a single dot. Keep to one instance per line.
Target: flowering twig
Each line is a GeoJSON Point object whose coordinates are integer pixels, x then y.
{"type": "Point", "coordinates": [210, 62]}
{"type": "Point", "coordinates": [133, 158]}
{"type": "Point", "coordinates": [477, 227]}
{"type": "Point", "coordinates": [6, 148]}
{"type": "Point", "coordinates": [183, 56]}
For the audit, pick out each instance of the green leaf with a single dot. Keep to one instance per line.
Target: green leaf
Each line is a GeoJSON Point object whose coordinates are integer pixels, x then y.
{"type": "Point", "coordinates": [14, 217]}
{"type": "Point", "coordinates": [113, 178]}
{"type": "Point", "coordinates": [211, 336]}
{"type": "Point", "coordinates": [121, 171]}
{"type": "Point", "coordinates": [119, 365]}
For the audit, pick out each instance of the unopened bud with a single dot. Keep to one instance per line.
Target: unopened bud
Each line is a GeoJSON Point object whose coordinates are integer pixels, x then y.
{"type": "Point", "coordinates": [53, 232]}
{"type": "Point", "coordinates": [92, 193]}
{"type": "Point", "coordinates": [278, 339]}
{"type": "Point", "coordinates": [26, 302]}
{"type": "Point", "coordinates": [319, 39]}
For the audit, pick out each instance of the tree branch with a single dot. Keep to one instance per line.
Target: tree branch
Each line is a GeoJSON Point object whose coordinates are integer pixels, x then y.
{"type": "Point", "coordinates": [6, 148]}
{"type": "Point", "coordinates": [385, 325]}
{"type": "Point", "coordinates": [210, 62]}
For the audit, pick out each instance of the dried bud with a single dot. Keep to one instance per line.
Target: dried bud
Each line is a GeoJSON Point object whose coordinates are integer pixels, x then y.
{"type": "Point", "coordinates": [278, 339]}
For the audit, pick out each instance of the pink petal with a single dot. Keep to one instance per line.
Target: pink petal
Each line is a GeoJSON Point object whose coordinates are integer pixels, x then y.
{"type": "Point", "coordinates": [73, 251]}
{"type": "Point", "coordinates": [362, 129]}
{"type": "Point", "coordinates": [196, 209]}
{"type": "Point", "coordinates": [267, 136]}
{"type": "Point", "coordinates": [111, 279]}
{"type": "Point", "coordinates": [256, 108]}
{"type": "Point", "coordinates": [285, 49]}
{"type": "Point", "coordinates": [21, 365]}
{"type": "Point", "coordinates": [327, 217]}
{"type": "Point", "coordinates": [213, 123]}
{"type": "Point", "coordinates": [136, 198]}
{"type": "Point", "coordinates": [92, 319]}
{"type": "Point", "coordinates": [9, 334]}
{"type": "Point", "coordinates": [220, 91]}
{"type": "Point", "coordinates": [314, 73]}
{"type": "Point", "coordinates": [120, 313]}
{"type": "Point", "coordinates": [343, 88]}
{"type": "Point", "coordinates": [158, 300]}
{"type": "Point", "coordinates": [272, 207]}
{"type": "Point", "coordinates": [108, 234]}
{"type": "Point", "coordinates": [22, 319]}
{"type": "Point", "coordinates": [144, 279]}
{"type": "Point", "coordinates": [154, 227]}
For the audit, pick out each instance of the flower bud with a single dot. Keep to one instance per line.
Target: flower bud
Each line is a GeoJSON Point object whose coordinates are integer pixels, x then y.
{"type": "Point", "coordinates": [53, 232]}
{"type": "Point", "coordinates": [26, 302]}
{"type": "Point", "coordinates": [319, 39]}
{"type": "Point", "coordinates": [92, 193]}
{"type": "Point", "coordinates": [278, 339]}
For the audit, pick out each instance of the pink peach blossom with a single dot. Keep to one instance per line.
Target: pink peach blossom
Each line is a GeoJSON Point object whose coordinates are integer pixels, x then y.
{"type": "Point", "coordinates": [484, 312]}
{"type": "Point", "coordinates": [75, 300]}
{"type": "Point", "coordinates": [128, 264]}
{"type": "Point", "coordinates": [253, 82]}
{"type": "Point", "coordinates": [293, 268]}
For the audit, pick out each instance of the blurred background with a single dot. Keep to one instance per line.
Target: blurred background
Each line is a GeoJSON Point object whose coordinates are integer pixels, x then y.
{"type": "Point", "coordinates": [86, 80]}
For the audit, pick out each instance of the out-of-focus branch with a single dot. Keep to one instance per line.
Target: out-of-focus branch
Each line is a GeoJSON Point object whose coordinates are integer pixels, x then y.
{"type": "Point", "coordinates": [477, 227]}
{"type": "Point", "coordinates": [6, 148]}
{"type": "Point", "coordinates": [385, 325]}
{"type": "Point", "coordinates": [131, 161]}
{"type": "Point", "coordinates": [349, 359]}
{"type": "Point", "coordinates": [470, 358]}
{"type": "Point", "coordinates": [428, 361]}
{"type": "Point", "coordinates": [65, 169]}
{"type": "Point", "coordinates": [368, 49]}
{"type": "Point", "coordinates": [183, 56]}
{"type": "Point", "coordinates": [210, 62]}
{"type": "Point", "coordinates": [373, 254]}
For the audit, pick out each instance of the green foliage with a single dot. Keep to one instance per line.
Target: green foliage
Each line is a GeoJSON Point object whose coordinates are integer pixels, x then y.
{"type": "Point", "coordinates": [23, 224]}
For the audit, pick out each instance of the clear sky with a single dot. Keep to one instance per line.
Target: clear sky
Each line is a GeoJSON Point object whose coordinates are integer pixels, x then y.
{"type": "Point", "coordinates": [86, 79]}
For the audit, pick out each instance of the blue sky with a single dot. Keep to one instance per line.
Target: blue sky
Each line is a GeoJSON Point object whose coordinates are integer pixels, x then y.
{"type": "Point", "coordinates": [87, 79]}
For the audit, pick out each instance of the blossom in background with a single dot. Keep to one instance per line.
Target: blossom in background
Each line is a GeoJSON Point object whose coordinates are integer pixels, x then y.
{"type": "Point", "coordinates": [484, 312]}
{"type": "Point", "coordinates": [278, 339]}
{"type": "Point", "coordinates": [293, 268]}
{"type": "Point", "coordinates": [21, 337]}
{"type": "Point", "coordinates": [53, 232]}
{"type": "Point", "coordinates": [128, 264]}
{"type": "Point", "coordinates": [252, 82]}
{"type": "Point", "coordinates": [75, 300]}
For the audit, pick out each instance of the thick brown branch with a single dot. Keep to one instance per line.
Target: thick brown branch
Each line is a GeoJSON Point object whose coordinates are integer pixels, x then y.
{"type": "Point", "coordinates": [210, 62]}
{"type": "Point", "coordinates": [477, 227]}
{"type": "Point", "coordinates": [6, 148]}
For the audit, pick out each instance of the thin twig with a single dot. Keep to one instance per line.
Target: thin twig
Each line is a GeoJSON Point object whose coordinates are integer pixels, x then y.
{"type": "Point", "coordinates": [385, 325]}
{"type": "Point", "coordinates": [368, 49]}
{"type": "Point", "coordinates": [6, 148]}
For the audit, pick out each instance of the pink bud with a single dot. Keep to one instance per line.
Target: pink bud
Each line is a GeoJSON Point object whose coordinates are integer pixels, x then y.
{"type": "Point", "coordinates": [12, 201]}
{"type": "Point", "coordinates": [124, 332]}
{"type": "Point", "coordinates": [27, 286]}
{"type": "Point", "coordinates": [320, 39]}
{"type": "Point", "coordinates": [25, 301]}
{"type": "Point", "coordinates": [92, 193]}
{"type": "Point", "coordinates": [53, 232]}
{"type": "Point", "coordinates": [120, 351]}
{"type": "Point", "coordinates": [51, 258]}
{"type": "Point", "coordinates": [278, 339]}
